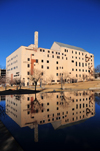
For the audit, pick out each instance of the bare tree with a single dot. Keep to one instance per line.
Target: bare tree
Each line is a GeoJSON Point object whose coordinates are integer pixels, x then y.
{"type": "Point", "coordinates": [50, 79]}
{"type": "Point", "coordinates": [3, 81]}
{"type": "Point", "coordinates": [63, 78]}
{"type": "Point", "coordinates": [97, 69]}
{"type": "Point", "coordinates": [35, 76]}
{"type": "Point", "coordinates": [18, 82]}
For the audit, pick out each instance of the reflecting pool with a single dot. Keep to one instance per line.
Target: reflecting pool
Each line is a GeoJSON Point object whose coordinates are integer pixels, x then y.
{"type": "Point", "coordinates": [53, 121]}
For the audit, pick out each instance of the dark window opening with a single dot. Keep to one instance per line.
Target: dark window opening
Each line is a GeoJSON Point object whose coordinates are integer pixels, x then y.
{"type": "Point", "coordinates": [36, 60]}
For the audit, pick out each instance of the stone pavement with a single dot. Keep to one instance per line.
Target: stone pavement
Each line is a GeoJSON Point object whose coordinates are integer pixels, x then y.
{"type": "Point", "coordinates": [7, 141]}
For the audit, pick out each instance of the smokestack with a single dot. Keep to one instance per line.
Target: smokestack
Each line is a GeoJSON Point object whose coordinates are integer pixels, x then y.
{"type": "Point", "coordinates": [36, 39]}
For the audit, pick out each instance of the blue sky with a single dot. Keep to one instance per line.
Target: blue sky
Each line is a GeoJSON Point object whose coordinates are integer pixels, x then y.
{"type": "Point", "coordinates": [74, 22]}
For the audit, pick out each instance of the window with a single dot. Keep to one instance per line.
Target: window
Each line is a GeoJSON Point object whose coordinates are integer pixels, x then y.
{"type": "Point", "coordinates": [58, 113]}
{"type": "Point", "coordinates": [79, 69]}
{"type": "Point", "coordinates": [57, 108]}
{"type": "Point", "coordinates": [72, 57]}
{"type": "Point", "coordinates": [86, 70]}
{"type": "Point", "coordinates": [72, 69]}
{"type": "Point", "coordinates": [41, 60]}
{"type": "Point", "coordinates": [28, 73]}
{"type": "Point", "coordinates": [76, 69]}
{"type": "Point", "coordinates": [36, 60]}
{"type": "Point", "coordinates": [66, 58]}
{"type": "Point", "coordinates": [32, 54]}
{"type": "Point", "coordinates": [52, 56]}
{"type": "Point", "coordinates": [58, 57]}
{"type": "Point", "coordinates": [62, 67]}
{"type": "Point", "coordinates": [47, 110]}
{"type": "Point", "coordinates": [47, 61]}
{"type": "Point", "coordinates": [41, 66]}
{"type": "Point", "coordinates": [28, 98]}
{"type": "Point", "coordinates": [52, 51]}
{"type": "Point", "coordinates": [47, 103]}
{"type": "Point", "coordinates": [56, 62]}
{"type": "Point", "coordinates": [47, 55]}
{"type": "Point", "coordinates": [72, 51]}
{"type": "Point", "coordinates": [62, 57]}
{"type": "Point", "coordinates": [82, 54]}
{"type": "Point", "coordinates": [83, 70]}
{"type": "Point", "coordinates": [75, 57]}
{"type": "Point", "coordinates": [28, 59]}
{"type": "Point", "coordinates": [28, 112]}
{"type": "Point", "coordinates": [82, 64]}
{"type": "Point", "coordinates": [28, 106]}
{"type": "Point", "coordinates": [28, 65]}
{"type": "Point", "coordinates": [48, 51]}
{"type": "Point", "coordinates": [41, 50]}
{"type": "Point", "coordinates": [79, 53]}
{"type": "Point", "coordinates": [76, 63]}
{"type": "Point", "coordinates": [76, 106]}
{"type": "Point", "coordinates": [85, 64]}
{"type": "Point", "coordinates": [79, 75]}
{"type": "Point", "coordinates": [75, 52]}
{"type": "Point", "coordinates": [65, 50]}
{"type": "Point", "coordinates": [76, 75]}
{"type": "Point", "coordinates": [62, 53]}
{"type": "Point", "coordinates": [72, 61]}
{"type": "Point", "coordinates": [79, 64]}
{"type": "Point", "coordinates": [57, 68]}
{"type": "Point", "coordinates": [47, 67]}
{"type": "Point", "coordinates": [56, 74]}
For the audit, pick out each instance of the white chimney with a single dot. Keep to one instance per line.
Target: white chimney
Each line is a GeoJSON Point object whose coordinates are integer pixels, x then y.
{"type": "Point", "coordinates": [36, 39]}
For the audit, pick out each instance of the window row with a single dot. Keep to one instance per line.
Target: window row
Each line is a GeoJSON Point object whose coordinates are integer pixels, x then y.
{"type": "Point", "coordinates": [12, 68]}
{"type": "Point", "coordinates": [80, 70]}
{"type": "Point", "coordinates": [12, 58]}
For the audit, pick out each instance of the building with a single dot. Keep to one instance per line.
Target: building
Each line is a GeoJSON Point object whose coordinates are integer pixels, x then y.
{"type": "Point", "coordinates": [62, 60]}
{"type": "Point", "coordinates": [2, 72]}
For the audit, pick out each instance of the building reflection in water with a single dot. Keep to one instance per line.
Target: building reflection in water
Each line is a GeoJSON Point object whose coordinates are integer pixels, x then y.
{"type": "Point", "coordinates": [60, 109]}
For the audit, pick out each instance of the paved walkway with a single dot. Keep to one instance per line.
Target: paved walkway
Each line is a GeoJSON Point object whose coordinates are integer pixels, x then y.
{"type": "Point", "coordinates": [7, 141]}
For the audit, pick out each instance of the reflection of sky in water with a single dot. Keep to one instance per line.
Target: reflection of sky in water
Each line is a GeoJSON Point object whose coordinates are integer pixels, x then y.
{"type": "Point", "coordinates": [80, 136]}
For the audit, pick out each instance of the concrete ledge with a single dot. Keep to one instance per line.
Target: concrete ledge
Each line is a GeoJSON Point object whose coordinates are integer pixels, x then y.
{"type": "Point", "coordinates": [7, 141]}
{"type": "Point", "coordinates": [94, 88]}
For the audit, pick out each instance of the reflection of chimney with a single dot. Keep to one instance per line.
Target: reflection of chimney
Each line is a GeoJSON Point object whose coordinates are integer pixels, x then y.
{"type": "Point", "coordinates": [36, 133]}
{"type": "Point", "coordinates": [36, 39]}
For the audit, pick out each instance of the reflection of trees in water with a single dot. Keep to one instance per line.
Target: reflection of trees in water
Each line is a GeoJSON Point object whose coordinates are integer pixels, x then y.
{"type": "Point", "coordinates": [36, 106]}
{"type": "Point", "coordinates": [19, 97]}
{"type": "Point", "coordinates": [46, 95]}
{"type": "Point", "coordinates": [91, 99]}
{"type": "Point", "coordinates": [2, 112]}
{"type": "Point", "coordinates": [88, 111]}
{"type": "Point", "coordinates": [64, 100]}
